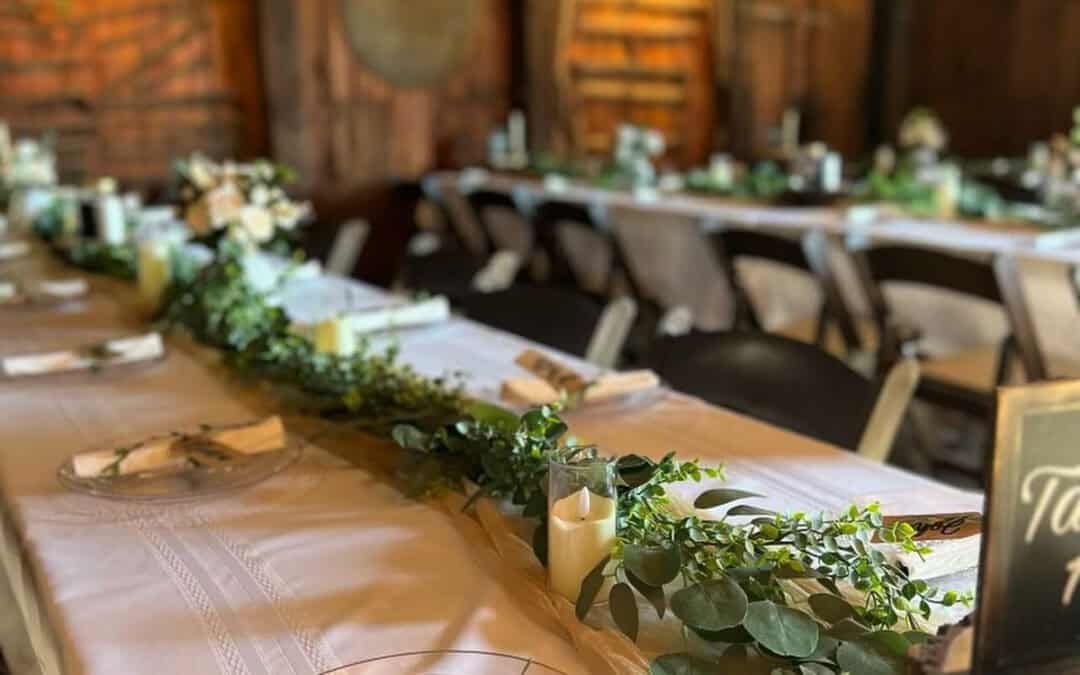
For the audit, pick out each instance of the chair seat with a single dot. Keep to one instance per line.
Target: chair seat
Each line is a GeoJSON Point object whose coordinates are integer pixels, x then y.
{"type": "Point", "coordinates": [782, 381]}
{"type": "Point", "coordinates": [550, 315]}
{"type": "Point", "coordinates": [973, 368]}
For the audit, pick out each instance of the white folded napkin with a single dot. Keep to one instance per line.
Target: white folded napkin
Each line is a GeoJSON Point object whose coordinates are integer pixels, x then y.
{"type": "Point", "coordinates": [249, 439]}
{"type": "Point", "coordinates": [534, 391]}
{"type": "Point", "coordinates": [433, 310]}
{"type": "Point", "coordinates": [13, 249]}
{"type": "Point", "coordinates": [63, 288]}
{"type": "Point", "coordinates": [499, 272]}
{"type": "Point", "coordinates": [118, 351]}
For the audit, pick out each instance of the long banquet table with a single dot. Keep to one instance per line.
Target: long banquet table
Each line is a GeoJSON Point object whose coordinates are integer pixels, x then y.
{"type": "Point", "coordinates": [326, 564]}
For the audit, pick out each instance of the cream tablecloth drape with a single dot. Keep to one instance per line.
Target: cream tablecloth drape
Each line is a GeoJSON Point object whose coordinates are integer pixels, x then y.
{"type": "Point", "coordinates": [326, 564]}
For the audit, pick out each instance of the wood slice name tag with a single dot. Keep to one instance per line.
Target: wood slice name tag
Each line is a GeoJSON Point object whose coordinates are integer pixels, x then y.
{"type": "Point", "coordinates": [938, 526]}
{"type": "Point", "coordinates": [1028, 613]}
{"type": "Point", "coordinates": [560, 377]}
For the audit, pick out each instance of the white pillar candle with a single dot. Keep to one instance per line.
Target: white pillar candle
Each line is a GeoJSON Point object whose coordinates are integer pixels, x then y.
{"type": "Point", "coordinates": [154, 271]}
{"type": "Point", "coordinates": [947, 192]}
{"type": "Point", "coordinates": [335, 336]}
{"type": "Point", "coordinates": [832, 172]}
{"type": "Point", "coordinates": [111, 220]}
{"type": "Point", "coordinates": [581, 531]}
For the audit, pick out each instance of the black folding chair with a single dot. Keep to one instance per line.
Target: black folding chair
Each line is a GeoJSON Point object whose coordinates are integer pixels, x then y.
{"type": "Point", "coordinates": [789, 383]}
{"type": "Point", "coordinates": [808, 254]}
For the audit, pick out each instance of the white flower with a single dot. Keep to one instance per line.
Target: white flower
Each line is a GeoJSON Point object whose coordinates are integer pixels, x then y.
{"type": "Point", "coordinates": [106, 185]}
{"type": "Point", "coordinates": [26, 150]}
{"type": "Point", "coordinates": [289, 214]}
{"type": "Point", "coordinates": [922, 129]}
{"type": "Point", "coordinates": [653, 141]}
{"type": "Point", "coordinates": [260, 195]}
{"type": "Point", "coordinates": [201, 171]}
{"type": "Point", "coordinates": [222, 204]}
{"type": "Point", "coordinates": [255, 224]}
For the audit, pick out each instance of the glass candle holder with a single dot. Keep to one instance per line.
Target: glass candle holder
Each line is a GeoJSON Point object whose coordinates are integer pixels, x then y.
{"type": "Point", "coordinates": [582, 507]}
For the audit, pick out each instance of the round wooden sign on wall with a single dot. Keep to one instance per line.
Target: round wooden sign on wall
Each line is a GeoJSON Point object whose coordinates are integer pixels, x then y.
{"type": "Point", "coordinates": [411, 43]}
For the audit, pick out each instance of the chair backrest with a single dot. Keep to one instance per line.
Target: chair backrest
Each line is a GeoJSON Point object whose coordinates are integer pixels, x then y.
{"type": "Point", "coordinates": [389, 207]}
{"type": "Point", "coordinates": [547, 218]}
{"type": "Point", "coordinates": [777, 379]}
{"type": "Point", "coordinates": [480, 202]}
{"type": "Point", "coordinates": [345, 251]}
{"type": "Point", "coordinates": [806, 253]}
{"type": "Point", "coordinates": [553, 316]}
{"type": "Point", "coordinates": [609, 336]}
{"type": "Point", "coordinates": [995, 280]}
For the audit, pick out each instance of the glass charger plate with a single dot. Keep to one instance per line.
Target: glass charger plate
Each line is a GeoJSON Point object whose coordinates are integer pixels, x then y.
{"type": "Point", "coordinates": [447, 662]}
{"type": "Point", "coordinates": [184, 480]}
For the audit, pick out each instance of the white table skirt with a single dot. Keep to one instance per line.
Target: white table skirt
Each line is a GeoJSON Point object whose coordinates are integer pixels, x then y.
{"type": "Point", "coordinates": [326, 564]}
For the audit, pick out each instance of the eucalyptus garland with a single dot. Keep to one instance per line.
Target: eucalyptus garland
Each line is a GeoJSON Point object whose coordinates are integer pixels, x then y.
{"type": "Point", "coordinates": [221, 309]}
{"type": "Point", "coordinates": [735, 584]}
{"type": "Point", "coordinates": [114, 260]}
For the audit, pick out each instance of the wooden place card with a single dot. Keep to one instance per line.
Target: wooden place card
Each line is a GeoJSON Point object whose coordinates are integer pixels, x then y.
{"type": "Point", "coordinates": [1028, 614]}
{"type": "Point", "coordinates": [560, 377]}
{"type": "Point", "coordinates": [939, 526]}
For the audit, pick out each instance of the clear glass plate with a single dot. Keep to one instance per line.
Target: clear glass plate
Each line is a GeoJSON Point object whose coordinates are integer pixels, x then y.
{"type": "Point", "coordinates": [447, 662]}
{"type": "Point", "coordinates": [217, 472]}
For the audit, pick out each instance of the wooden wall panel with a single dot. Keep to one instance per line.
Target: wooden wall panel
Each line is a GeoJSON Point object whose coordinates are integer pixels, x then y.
{"type": "Point", "coordinates": [1001, 73]}
{"type": "Point", "coordinates": [344, 126]}
{"type": "Point", "coordinates": [127, 85]}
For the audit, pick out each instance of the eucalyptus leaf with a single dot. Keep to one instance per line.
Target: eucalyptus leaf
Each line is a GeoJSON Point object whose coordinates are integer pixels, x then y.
{"type": "Point", "coordinates": [747, 510]}
{"type": "Point", "coordinates": [655, 565]}
{"type": "Point", "coordinates": [711, 606]}
{"type": "Point", "coordinates": [624, 609]}
{"type": "Point", "coordinates": [590, 586]}
{"type": "Point", "coordinates": [720, 496]}
{"type": "Point", "coordinates": [892, 641]}
{"type": "Point", "coordinates": [848, 629]}
{"type": "Point", "coordinates": [682, 664]}
{"type": "Point", "coordinates": [811, 668]}
{"type": "Point", "coordinates": [732, 636]}
{"type": "Point", "coordinates": [867, 656]}
{"type": "Point", "coordinates": [782, 630]}
{"type": "Point", "coordinates": [654, 594]}
{"type": "Point", "coordinates": [830, 608]}
{"type": "Point", "coordinates": [491, 414]}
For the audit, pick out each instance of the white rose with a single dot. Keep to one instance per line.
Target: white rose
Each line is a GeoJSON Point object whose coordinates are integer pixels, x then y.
{"type": "Point", "coordinates": [260, 195]}
{"type": "Point", "coordinates": [256, 224]}
{"type": "Point", "coordinates": [201, 172]}
{"type": "Point", "coordinates": [223, 203]}
{"type": "Point", "coordinates": [288, 214]}
{"type": "Point", "coordinates": [654, 142]}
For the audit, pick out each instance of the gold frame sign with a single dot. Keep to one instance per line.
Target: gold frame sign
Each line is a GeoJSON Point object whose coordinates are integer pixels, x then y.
{"type": "Point", "coordinates": [1028, 615]}
{"type": "Point", "coordinates": [410, 43]}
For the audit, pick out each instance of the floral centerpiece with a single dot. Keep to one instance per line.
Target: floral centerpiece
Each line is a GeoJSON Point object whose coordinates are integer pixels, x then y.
{"type": "Point", "coordinates": [633, 153]}
{"type": "Point", "coordinates": [246, 202]}
{"type": "Point", "coordinates": [923, 135]}
{"type": "Point", "coordinates": [27, 162]}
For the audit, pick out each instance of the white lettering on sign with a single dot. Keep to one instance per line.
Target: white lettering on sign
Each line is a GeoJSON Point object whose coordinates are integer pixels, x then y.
{"type": "Point", "coordinates": [1073, 570]}
{"type": "Point", "coordinates": [1056, 505]}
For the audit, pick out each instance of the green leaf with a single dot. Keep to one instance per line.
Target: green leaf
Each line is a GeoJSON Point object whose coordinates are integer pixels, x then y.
{"type": "Point", "coordinates": [624, 609]}
{"type": "Point", "coordinates": [590, 586]}
{"type": "Point", "coordinates": [830, 608]}
{"type": "Point", "coordinates": [655, 565]}
{"type": "Point", "coordinates": [815, 669]}
{"type": "Point", "coordinates": [866, 656]}
{"type": "Point", "coordinates": [719, 496]}
{"type": "Point", "coordinates": [711, 606]}
{"type": "Point", "coordinates": [496, 416]}
{"type": "Point", "coordinates": [731, 636]}
{"type": "Point", "coordinates": [635, 470]}
{"type": "Point", "coordinates": [682, 664]}
{"type": "Point", "coordinates": [654, 594]}
{"type": "Point", "coordinates": [917, 637]}
{"type": "Point", "coordinates": [781, 629]}
{"type": "Point", "coordinates": [892, 641]}
{"type": "Point", "coordinates": [847, 629]}
{"type": "Point", "coordinates": [747, 510]}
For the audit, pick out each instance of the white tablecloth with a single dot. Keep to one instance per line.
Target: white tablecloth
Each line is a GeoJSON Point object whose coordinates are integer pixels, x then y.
{"type": "Point", "coordinates": [326, 564]}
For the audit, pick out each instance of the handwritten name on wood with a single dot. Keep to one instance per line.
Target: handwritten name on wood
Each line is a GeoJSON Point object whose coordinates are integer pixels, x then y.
{"type": "Point", "coordinates": [935, 526]}
{"type": "Point", "coordinates": [554, 373]}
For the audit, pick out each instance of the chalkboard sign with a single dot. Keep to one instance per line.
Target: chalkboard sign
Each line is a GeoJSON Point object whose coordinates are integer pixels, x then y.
{"type": "Point", "coordinates": [1028, 616]}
